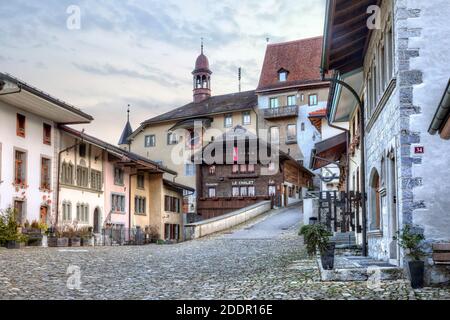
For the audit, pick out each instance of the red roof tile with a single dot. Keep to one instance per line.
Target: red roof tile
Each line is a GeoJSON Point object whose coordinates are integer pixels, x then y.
{"type": "Point", "coordinates": [318, 113]}
{"type": "Point", "coordinates": [301, 58]}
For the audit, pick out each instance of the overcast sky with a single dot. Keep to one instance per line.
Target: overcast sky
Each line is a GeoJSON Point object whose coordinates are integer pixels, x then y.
{"type": "Point", "coordinates": [142, 52]}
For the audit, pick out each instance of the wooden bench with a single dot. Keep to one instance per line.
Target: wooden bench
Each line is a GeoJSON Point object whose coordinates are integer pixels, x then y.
{"type": "Point", "coordinates": [441, 253]}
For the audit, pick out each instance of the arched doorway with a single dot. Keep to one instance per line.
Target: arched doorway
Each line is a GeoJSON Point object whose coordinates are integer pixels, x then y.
{"type": "Point", "coordinates": [375, 201]}
{"type": "Point", "coordinates": [97, 220]}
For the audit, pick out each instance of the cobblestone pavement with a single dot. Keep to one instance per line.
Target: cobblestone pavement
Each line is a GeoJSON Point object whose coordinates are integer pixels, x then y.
{"type": "Point", "coordinates": [232, 265]}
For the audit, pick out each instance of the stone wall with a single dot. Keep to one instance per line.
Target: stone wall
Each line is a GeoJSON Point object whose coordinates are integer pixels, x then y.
{"type": "Point", "coordinates": [214, 225]}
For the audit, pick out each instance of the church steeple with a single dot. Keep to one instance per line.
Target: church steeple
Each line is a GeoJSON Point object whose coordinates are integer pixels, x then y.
{"type": "Point", "coordinates": [202, 77]}
{"type": "Point", "coordinates": [127, 131]}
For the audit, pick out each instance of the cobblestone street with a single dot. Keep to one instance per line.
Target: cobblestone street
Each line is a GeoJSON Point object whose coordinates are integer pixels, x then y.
{"type": "Point", "coordinates": [262, 260]}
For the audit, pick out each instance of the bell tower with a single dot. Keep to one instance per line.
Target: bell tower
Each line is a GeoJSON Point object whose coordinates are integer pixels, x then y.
{"type": "Point", "coordinates": [202, 78]}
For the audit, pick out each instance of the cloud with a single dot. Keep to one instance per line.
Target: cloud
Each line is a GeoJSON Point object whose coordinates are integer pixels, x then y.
{"type": "Point", "coordinates": [152, 74]}
{"type": "Point", "coordinates": [143, 52]}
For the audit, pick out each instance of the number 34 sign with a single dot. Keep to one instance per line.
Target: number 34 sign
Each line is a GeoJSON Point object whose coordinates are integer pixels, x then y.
{"type": "Point", "coordinates": [419, 150]}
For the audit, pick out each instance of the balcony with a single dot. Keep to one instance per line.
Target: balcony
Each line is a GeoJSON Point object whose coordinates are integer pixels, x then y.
{"type": "Point", "coordinates": [281, 112]}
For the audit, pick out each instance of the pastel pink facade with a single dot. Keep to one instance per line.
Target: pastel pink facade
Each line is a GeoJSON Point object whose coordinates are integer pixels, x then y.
{"type": "Point", "coordinates": [112, 215]}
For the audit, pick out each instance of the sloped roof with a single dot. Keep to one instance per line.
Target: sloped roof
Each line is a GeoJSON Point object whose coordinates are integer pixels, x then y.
{"type": "Point", "coordinates": [318, 113]}
{"type": "Point", "coordinates": [301, 58]}
{"type": "Point", "coordinates": [213, 105]}
{"type": "Point", "coordinates": [109, 147]}
{"type": "Point", "coordinates": [127, 131]}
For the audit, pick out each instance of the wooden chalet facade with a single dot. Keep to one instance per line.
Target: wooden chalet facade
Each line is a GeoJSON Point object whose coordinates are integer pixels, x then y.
{"type": "Point", "coordinates": [225, 187]}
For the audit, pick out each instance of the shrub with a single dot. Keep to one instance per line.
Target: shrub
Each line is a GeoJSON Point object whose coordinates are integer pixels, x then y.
{"type": "Point", "coordinates": [316, 238]}
{"type": "Point", "coordinates": [411, 241]}
{"type": "Point", "coordinates": [9, 227]}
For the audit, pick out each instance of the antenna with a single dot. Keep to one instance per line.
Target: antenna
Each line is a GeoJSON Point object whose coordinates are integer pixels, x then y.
{"type": "Point", "coordinates": [201, 44]}
{"type": "Point", "coordinates": [239, 77]}
{"type": "Point", "coordinates": [267, 40]}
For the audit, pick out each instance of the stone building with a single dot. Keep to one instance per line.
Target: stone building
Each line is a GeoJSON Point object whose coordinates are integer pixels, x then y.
{"type": "Point", "coordinates": [173, 137]}
{"type": "Point", "coordinates": [289, 89]}
{"type": "Point", "coordinates": [402, 60]}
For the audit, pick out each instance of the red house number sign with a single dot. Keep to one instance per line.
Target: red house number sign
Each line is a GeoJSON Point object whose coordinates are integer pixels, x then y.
{"type": "Point", "coordinates": [419, 150]}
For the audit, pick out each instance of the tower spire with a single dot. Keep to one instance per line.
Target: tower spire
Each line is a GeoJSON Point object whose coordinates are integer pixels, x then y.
{"type": "Point", "coordinates": [202, 45]}
{"type": "Point", "coordinates": [128, 113]}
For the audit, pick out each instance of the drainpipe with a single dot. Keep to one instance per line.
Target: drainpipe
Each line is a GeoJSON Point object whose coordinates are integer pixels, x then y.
{"type": "Point", "coordinates": [129, 203]}
{"type": "Point", "coordinates": [363, 160]}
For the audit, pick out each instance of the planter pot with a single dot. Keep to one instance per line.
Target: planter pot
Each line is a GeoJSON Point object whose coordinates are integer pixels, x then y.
{"type": "Point", "coordinates": [416, 273]}
{"type": "Point", "coordinates": [57, 242]}
{"type": "Point", "coordinates": [87, 242]}
{"type": "Point", "coordinates": [75, 242]}
{"type": "Point", "coordinates": [327, 257]}
{"type": "Point", "coordinates": [14, 245]}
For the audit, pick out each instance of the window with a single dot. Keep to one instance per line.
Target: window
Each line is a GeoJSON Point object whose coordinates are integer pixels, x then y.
{"type": "Point", "coordinates": [96, 180]}
{"type": "Point", "coordinates": [67, 173]}
{"type": "Point", "coordinates": [228, 121]}
{"type": "Point", "coordinates": [303, 126]}
{"type": "Point", "coordinates": [82, 176]}
{"type": "Point", "coordinates": [251, 168]}
{"type": "Point", "coordinates": [272, 190]}
{"type": "Point", "coordinates": [244, 191]}
{"type": "Point", "coordinates": [19, 207]}
{"type": "Point", "coordinates": [313, 100]}
{"type": "Point", "coordinates": [246, 118]}
{"type": "Point", "coordinates": [118, 176]}
{"type": "Point", "coordinates": [118, 203]}
{"type": "Point", "coordinates": [235, 191]}
{"type": "Point", "coordinates": [272, 167]}
{"type": "Point", "coordinates": [172, 138]}
{"type": "Point", "coordinates": [83, 213]}
{"type": "Point", "coordinates": [375, 202]}
{"type": "Point", "coordinates": [251, 191]}
{"type": "Point", "coordinates": [82, 150]}
{"type": "Point", "coordinates": [302, 97]}
{"type": "Point", "coordinates": [273, 103]}
{"type": "Point", "coordinates": [291, 132]}
{"type": "Point", "coordinates": [47, 134]}
{"type": "Point", "coordinates": [389, 55]}
{"type": "Point", "coordinates": [193, 139]}
{"type": "Point", "coordinates": [139, 205]}
{"type": "Point", "coordinates": [150, 141]}
{"type": "Point", "coordinates": [45, 174]}
{"type": "Point", "coordinates": [291, 101]}
{"type": "Point", "coordinates": [212, 170]}
{"type": "Point", "coordinates": [282, 75]}
{"type": "Point", "coordinates": [211, 192]}
{"type": "Point", "coordinates": [274, 135]}
{"type": "Point", "coordinates": [141, 181]}
{"type": "Point", "coordinates": [172, 204]}
{"type": "Point", "coordinates": [172, 232]}
{"type": "Point", "coordinates": [189, 170]}
{"type": "Point", "coordinates": [235, 168]}
{"type": "Point", "coordinates": [243, 168]}
{"type": "Point", "coordinates": [67, 211]}
{"type": "Point", "coordinates": [20, 168]}
{"type": "Point", "coordinates": [20, 125]}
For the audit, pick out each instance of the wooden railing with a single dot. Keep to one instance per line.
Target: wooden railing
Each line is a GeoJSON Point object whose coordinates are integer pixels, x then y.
{"type": "Point", "coordinates": [214, 207]}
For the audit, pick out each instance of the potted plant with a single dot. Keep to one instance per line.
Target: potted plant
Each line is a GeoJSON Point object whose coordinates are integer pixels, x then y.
{"type": "Point", "coordinates": [86, 236]}
{"type": "Point", "coordinates": [9, 230]}
{"type": "Point", "coordinates": [73, 235]}
{"type": "Point", "coordinates": [57, 237]}
{"type": "Point", "coordinates": [411, 242]}
{"type": "Point", "coordinates": [316, 238]}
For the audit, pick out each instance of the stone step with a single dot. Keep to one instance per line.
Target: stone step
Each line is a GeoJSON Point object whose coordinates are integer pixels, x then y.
{"type": "Point", "coordinates": [357, 268]}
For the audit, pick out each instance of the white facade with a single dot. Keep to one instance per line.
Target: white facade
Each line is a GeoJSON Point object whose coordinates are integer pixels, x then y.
{"type": "Point", "coordinates": [31, 195]}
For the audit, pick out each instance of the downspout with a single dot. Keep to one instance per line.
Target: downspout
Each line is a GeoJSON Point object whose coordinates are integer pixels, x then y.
{"type": "Point", "coordinates": [363, 161]}
{"type": "Point", "coordinates": [129, 202]}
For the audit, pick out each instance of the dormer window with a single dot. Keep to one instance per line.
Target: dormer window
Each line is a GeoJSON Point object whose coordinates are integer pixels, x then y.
{"type": "Point", "coordinates": [282, 75]}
